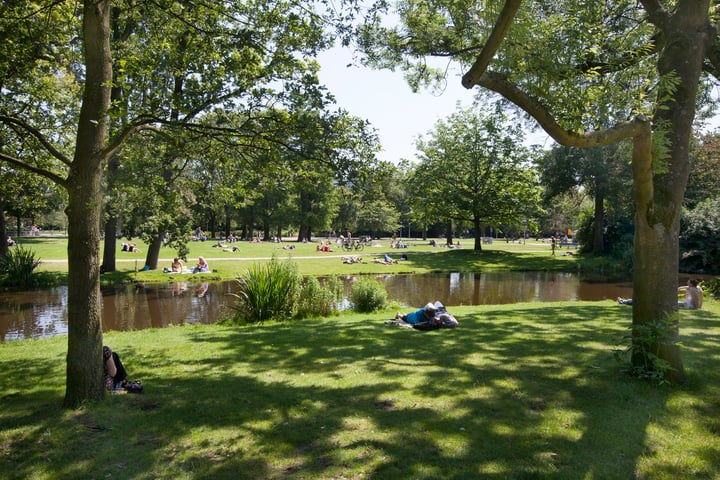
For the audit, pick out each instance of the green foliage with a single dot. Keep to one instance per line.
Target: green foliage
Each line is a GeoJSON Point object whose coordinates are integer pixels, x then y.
{"type": "Point", "coordinates": [712, 287]}
{"type": "Point", "coordinates": [617, 238]}
{"type": "Point", "coordinates": [268, 291]}
{"type": "Point", "coordinates": [700, 237]}
{"type": "Point", "coordinates": [644, 350]}
{"type": "Point", "coordinates": [368, 295]}
{"type": "Point", "coordinates": [319, 299]}
{"type": "Point", "coordinates": [17, 267]}
{"type": "Point", "coordinates": [472, 170]}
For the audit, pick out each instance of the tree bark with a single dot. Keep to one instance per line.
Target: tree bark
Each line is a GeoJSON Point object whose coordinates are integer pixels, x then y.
{"type": "Point", "coordinates": [3, 230]}
{"type": "Point", "coordinates": [449, 233]}
{"type": "Point", "coordinates": [660, 187]}
{"type": "Point", "coordinates": [599, 218]}
{"type": "Point", "coordinates": [153, 254]}
{"type": "Point", "coordinates": [478, 234]}
{"type": "Point", "coordinates": [84, 357]}
{"type": "Point", "coordinates": [111, 225]}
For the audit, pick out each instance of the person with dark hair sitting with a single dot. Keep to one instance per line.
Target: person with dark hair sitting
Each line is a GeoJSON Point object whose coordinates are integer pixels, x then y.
{"type": "Point", "coordinates": [693, 295]}
{"type": "Point", "coordinates": [115, 373]}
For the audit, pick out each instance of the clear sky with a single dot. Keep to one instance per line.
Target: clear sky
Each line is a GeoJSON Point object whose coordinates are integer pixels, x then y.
{"type": "Point", "coordinates": [385, 99]}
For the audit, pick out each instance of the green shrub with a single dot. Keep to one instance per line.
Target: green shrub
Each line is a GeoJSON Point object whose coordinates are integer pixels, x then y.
{"type": "Point", "coordinates": [712, 287]}
{"type": "Point", "coordinates": [17, 267]}
{"type": "Point", "coordinates": [319, 300]}
{"type": "Point", "coordinates": [368, 295]}
{"type": "Point", "coordinates": [268, 291]}
{"type": "Point", "coordinates": [700, 237]}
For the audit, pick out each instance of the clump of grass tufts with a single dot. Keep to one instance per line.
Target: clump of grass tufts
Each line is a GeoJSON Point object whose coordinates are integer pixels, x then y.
{"type": "Point", "coordinates": [18, 267]}
{"type": "Point", "coordinates": [268, 291]}
{"type": "Point", "coordinates": [368, 295]}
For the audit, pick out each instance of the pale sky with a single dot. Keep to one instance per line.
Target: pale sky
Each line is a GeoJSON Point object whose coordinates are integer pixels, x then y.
{"type": "Point", "coordinates": [385, 99]}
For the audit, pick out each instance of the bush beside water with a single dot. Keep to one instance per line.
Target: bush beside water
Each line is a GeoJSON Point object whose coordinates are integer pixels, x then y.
{"type": "Point", "coordinates": [276, 291]}
{"type": "Point", "coordinates": [319, 299]}
{"type": "Point", "coordinates": [368, 295]}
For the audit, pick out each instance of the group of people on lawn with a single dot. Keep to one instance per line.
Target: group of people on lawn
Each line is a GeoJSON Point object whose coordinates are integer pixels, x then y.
{"type": "Point", "coordinates": [177, 266]}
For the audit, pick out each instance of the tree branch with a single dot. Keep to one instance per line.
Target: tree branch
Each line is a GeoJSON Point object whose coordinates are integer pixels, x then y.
{"type": "Point", "coordinates": [642, 171]}
{"type": "Point", "coordinates": [491, 46]}
{"type": "Point", "coordinates": [621, 131]}
{"type": "Point", "coordinates": [33, 169]}
{"type": "Point", "coordinates": [117, 142]}
{"type": "Point", "coordinates": [656, 12]}
{"type": "Point", "coordinates": [712, 56]}
{"type": "Point", "coordinates": [38, 135]}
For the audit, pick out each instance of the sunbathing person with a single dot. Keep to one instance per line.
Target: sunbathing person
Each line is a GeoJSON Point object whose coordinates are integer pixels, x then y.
{"type": "Point", "coordinates": [177, 266]}
{"type": "Point", "coordinates": [431, 317]}
{"type": "Point", "coordinates": [386, 260]}
{"type": "Point", "coordinates": [693, 296]}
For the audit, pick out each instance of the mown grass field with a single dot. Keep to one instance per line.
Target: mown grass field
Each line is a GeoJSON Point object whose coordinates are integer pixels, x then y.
{"type": "Point", "coordinates": [421, 258]}
{"type": "Point", "coordinates": [525, 391]}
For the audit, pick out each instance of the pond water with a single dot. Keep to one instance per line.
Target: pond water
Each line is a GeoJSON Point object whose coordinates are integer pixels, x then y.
{"type": "Point", "coordinates": [43, 313]}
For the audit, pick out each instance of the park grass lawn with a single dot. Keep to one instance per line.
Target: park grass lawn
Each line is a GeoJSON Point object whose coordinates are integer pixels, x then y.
{"type": "Point", "coordinates": [524, 391]}
{"type": "Point", "coordinates": [422, 258]}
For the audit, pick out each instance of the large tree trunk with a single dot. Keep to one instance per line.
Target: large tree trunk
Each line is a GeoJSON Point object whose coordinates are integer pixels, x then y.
{"type": "Point", "coordinates": [84, 357]}
{"type": "Point", "coordinates": [110, 244]}
{"type": "Point", "coordinates": [266, 229]}
{"type": "Point", "coordinates": [659, 194]}
{"type": "Point", "coordinates": [478, 234]}
{"type": "Point", "coordinates": [111, 225]}
{"type": "Point", "coordinates": [153, 254]}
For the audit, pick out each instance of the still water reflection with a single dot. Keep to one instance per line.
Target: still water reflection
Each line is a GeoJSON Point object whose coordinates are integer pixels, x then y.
{"type": "Point", "coordinates": [38, 314]}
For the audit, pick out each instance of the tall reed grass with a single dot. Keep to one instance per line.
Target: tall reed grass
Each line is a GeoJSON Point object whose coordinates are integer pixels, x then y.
{"type": "Point", "coordinates": [268, 291]}
{"type": "Point", "coordinates": [18, 266]}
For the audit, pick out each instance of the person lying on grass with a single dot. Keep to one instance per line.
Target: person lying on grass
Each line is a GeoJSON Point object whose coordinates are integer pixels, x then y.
{"type": "Point", "coordinates": [430, 317]}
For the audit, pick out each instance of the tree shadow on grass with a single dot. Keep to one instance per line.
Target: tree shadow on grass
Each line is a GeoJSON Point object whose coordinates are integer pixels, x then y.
{"type": "Point", "coordinates": [496, 398]}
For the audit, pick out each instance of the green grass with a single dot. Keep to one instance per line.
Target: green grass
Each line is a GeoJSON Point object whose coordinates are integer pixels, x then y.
{"type": "Point", "coordinates": [525, 391]}
{"type": "Point", "coordinates": [422, 258]}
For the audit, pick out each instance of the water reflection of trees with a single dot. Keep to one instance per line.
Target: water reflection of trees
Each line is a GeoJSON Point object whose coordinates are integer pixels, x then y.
{"type": "Point", "coordinates": [43, 313]}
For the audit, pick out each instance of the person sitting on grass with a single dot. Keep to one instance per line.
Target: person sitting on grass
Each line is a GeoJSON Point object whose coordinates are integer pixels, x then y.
{"type": "Point", "coordinates": [114, 371]}
{"type": "Point", "coordinates": [115, 374]}
{"type": "Point", "coordinates": [693, 296]}
{"type": "Point", "coordinates": [177, 266]}
{"type": "Point", "coordinates": [202, 266]}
